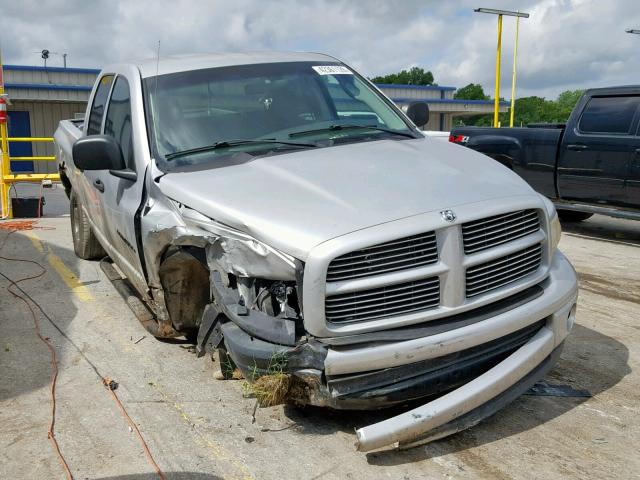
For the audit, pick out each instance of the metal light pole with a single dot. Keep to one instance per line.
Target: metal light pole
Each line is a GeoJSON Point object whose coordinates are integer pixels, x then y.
{"type": "Point", "coordinates": [513, 76]}
{"type": "Point", "coordinates": [500, 13]}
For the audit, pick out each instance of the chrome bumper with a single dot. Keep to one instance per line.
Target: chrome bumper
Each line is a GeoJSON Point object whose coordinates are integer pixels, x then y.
{"type": "Point", "coordinates": [557, 305]}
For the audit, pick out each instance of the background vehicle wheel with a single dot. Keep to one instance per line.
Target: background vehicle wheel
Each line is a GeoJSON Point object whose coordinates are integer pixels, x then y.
{"type": "Point", "coordinates": [85, 243]}
{"type": "Point", "coordinates": [573, 216]}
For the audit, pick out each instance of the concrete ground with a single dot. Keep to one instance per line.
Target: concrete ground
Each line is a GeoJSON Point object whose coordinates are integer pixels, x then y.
{"type": "Point", "coordinates": [200, 428]}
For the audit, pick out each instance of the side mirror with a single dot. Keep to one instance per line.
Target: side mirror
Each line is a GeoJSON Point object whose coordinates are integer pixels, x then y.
{"type": "Point", "coordinates": [98, 152]}
{"type": "Point", "coordinates": [418, 112]}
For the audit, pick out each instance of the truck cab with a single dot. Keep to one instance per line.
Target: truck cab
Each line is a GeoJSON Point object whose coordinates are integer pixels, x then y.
{"type": "Point", "coordinates": [599, 158]}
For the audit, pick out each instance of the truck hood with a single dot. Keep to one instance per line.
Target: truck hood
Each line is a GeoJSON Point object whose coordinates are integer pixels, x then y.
{"type": "Point", "coordinates": [297, 200]}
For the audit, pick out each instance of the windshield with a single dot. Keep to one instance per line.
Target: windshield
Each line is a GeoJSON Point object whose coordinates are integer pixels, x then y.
{"type": "Point", "coordinates": [199, 115]}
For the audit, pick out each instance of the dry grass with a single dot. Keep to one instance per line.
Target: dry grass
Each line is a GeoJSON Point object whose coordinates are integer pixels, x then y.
{"type": "Point", "coordinates": [271, 390]}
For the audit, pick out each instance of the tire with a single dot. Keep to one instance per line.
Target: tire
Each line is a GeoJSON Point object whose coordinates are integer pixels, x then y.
{"type": "Point", "coordinates": [573, 216]}
{"type": "Point", "coordinates": [85, 243]}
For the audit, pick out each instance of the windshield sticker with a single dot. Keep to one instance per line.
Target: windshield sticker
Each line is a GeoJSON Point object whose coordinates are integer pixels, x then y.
{"type": "Point", "coordinates": [332, 70]}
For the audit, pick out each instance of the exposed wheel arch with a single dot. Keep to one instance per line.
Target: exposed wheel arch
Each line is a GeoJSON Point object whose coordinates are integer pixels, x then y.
{"type": "Point", "coordinates": [185, 281]}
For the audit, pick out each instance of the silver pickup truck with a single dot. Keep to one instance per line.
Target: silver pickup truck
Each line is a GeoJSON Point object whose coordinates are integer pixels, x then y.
{"type": "Point", "coordinates": [281, 211]}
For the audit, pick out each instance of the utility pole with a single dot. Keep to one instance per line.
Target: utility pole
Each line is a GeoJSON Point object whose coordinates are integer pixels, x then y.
{"type": "Point", "coordinates": [513, 76]}
{"type": "Point", "coordinates": [496, 102]}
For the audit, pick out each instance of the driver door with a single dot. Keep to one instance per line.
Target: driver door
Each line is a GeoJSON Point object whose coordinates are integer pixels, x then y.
{"type": "Point", "coordinates": [122, 197]}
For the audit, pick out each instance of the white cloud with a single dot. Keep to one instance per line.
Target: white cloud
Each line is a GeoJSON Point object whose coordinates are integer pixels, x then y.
{"type": "Point", "coordinates": [565, 44]}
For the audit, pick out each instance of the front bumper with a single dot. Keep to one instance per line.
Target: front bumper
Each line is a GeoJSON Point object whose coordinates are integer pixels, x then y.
{"type": "Point", "coordinates": [523, 367]}
{"type": "Point", "coordinates": [490, 360]}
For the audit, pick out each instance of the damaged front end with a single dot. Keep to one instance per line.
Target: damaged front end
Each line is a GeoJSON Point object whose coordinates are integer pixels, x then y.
{"type": "Point", "coordinates": [232, 293]}
{"type": "Point", "coordinates": [244, 299]}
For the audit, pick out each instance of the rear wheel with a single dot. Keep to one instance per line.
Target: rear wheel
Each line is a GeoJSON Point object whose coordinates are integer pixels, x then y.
{"type": "Point", "coordinates": [573, 216]}
{"type": "Point", "coordinates": [85, 243]}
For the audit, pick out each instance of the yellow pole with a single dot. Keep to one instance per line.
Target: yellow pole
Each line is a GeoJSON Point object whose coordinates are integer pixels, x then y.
{"type": "Point", "coordinates": [4, 163]}
{"type": "Point", "coordinates": [513, 76]}
{"type": "Point", "coordinates": [496, 103]}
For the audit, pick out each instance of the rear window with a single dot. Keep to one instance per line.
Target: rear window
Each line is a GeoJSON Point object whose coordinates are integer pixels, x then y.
{"type": "Point", "coordinates": [609, 115]}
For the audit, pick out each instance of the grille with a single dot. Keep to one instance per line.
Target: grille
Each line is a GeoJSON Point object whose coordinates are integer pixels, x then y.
{"type": "Point", "coordinates": [489, 232]}
{"type": "Point", "coordinates": [402, 254]}
{"type": "Point", "coordinates": [388, 301]}
{"type": "Point", "coordinates": [502, 271]}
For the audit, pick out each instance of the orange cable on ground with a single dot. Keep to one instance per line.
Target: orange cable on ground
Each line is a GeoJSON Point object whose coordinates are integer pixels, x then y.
{"type": "Point", "coordinates": [20, 225]}
{"type": "Point", "coordinates": [109, 384]}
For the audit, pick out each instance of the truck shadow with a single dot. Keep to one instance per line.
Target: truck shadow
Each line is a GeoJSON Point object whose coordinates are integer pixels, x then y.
{"type": "Point", "coordinates": [590, 361]}
{"type": "Point", "coordinates": [606, 228]}
{"type": "Point", "coordinates": [168, 476]}
{"type": "Point", "coordinates": [24, 359]}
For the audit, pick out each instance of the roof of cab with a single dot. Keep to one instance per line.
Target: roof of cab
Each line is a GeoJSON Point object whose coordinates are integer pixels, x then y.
{"type": "Point", "coordinates": [616, 90]}
{"type": "Point", "coordinates": [183, 63]}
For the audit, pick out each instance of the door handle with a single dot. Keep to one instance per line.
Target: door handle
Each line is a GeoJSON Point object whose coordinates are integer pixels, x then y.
{"type": "Point", "coordinates": [99, 185]}
{"type": "Point", "coordinates": [576, 147]}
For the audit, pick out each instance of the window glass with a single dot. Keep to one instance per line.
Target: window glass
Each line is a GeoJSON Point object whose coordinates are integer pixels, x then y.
{"type": "Point", "coordinates": [99, 101]}
{"type": "Point", "coordinates": [351, 102]}
{"type": "Point", "coordinates": [609, 114]}
{"type": "Point", "coordinates": [118, 120]}
{"type": "Point", "coordinates": [278, 101]}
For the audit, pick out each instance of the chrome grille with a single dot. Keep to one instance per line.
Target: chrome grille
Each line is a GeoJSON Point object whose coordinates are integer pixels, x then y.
{"type": "Point", "coordinates": [491, 231]}
{"type": "Point", "coordinates": [502, 271]}
{"type": "Point", "coordinates": [401, 254]}
{"type": "Point", "coordinates": [388, 301]}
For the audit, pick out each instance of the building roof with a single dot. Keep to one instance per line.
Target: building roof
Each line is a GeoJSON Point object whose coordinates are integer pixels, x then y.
{"type": "Point", "coordinates": [458, 101]}
{"type": "Point", "coordinates": [51, 84]}
{"type": "Point", "coordinates": [415, 87]}
{"type": "Point", "coordinates": [34, 68]}
{"type": "Point", "coordinates": [48, 86]}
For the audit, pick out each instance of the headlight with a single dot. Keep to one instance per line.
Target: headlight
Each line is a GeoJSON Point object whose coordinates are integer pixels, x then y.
{"type": "Point", "coordinates": [555, 230]}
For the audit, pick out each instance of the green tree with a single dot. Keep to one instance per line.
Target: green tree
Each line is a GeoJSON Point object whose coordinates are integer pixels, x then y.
{"type": "Point", "coordinates": [473, 91]}
{"type": "Point", "coordinates": [567, 101]}
{"type": "Point", "coordinates": [413, 76]}
{"type": "Point", "coordinates": [532, 110]}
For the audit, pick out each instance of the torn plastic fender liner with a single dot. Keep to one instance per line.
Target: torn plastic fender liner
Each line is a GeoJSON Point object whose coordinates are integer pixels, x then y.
{"type": "Point", "coordinates": [415, 423]}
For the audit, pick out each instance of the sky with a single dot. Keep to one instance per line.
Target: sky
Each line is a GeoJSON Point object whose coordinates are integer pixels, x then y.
{"type": "Point", "coordinates": [565, 44]}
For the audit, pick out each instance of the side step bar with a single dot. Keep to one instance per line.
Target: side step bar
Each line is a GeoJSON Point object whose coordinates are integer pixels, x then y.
{"type": "Point", "coordinates": [137, 306]}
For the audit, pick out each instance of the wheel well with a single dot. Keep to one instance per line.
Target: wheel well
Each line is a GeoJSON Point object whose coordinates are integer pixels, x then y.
{"type": "Point", "coordinates": [185, 280]}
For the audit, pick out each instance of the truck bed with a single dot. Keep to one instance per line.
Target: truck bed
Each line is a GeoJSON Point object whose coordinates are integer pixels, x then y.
{"type": "Point", "coordinates": [65, 136]}
{"type": "Point", "coordinates": [530, 152]}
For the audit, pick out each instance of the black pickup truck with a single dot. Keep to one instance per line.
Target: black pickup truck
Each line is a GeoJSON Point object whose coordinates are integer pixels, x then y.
{"type": "Point", "coordinates": [590, 165]}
